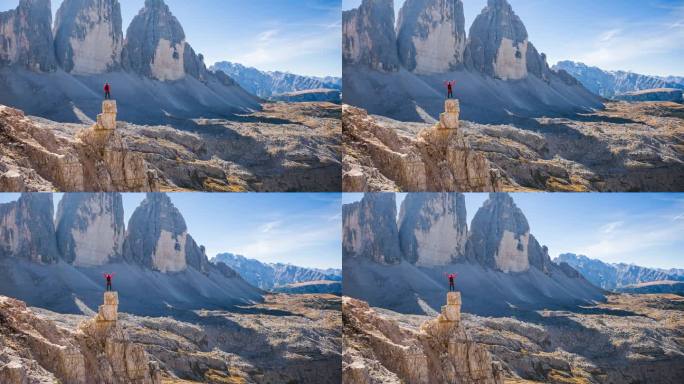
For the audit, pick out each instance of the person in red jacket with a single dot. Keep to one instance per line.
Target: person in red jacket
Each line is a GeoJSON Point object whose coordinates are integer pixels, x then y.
{"type": "Point", "coordinates": [452, 279]}
{"type": "Point", "coordinates": [450, 88]}
{"type": "Point", "coordinates": [107, 89]}
{"type": "Point", "coordinates": [109, 277]}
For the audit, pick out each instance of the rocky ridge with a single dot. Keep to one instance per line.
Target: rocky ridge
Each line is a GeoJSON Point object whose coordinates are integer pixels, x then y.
{"type": "Point", "coordinates": [612, 276]}
{"type": "Point", "coordinates": [611, 83]}
{"type": "Point", "coordinates": [272, 84]}
{"type": "Point", "coordinates": [271, 276]}
{"type": "Point", "coordinates": [380, 350]}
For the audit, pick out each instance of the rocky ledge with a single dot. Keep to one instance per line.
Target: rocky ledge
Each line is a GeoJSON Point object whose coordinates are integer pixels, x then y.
{"type": "Point", "coordinates": [98, 351]}
{"type": "Point", "coordinates": [381, 350]}
{"type": "Point", "coordinates": [379, 157]}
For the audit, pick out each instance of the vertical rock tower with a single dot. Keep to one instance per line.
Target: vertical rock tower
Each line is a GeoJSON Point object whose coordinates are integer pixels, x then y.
{"type": "Point", "coordinates": [108, 312]}
{"type": "Point", "coordinates": [449, 118]}
{"type": "Point", "coordinates": [107, 119]}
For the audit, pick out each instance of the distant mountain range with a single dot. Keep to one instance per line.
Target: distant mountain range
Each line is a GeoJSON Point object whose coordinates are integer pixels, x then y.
{"type": "Point", "coordinates": [277, 276]}
{"type": "Point", "coordinates": [621, 277]}
{"type": "Point", "coordinates": [267, 84]}
{"type": "Point", "coordinates": [611, 83]}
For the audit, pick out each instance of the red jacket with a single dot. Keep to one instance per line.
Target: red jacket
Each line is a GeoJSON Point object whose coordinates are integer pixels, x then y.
{"type": "Point", "coordinates": [106, 88]}
{"type": "Point", "coordinates": [109, 276]}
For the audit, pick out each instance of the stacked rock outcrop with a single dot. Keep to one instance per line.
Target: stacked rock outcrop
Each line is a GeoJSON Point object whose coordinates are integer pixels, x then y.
{"type": "Point", "coordinates": [438, 158]}
{"type": "Point", "coordinates": [36, 350]}
{"type": "Point", "coordinates": [107, 119]}
{"type": "Point", "coordinates": [379, 349]}
{"type": "Point", "coordinates": [449, 118]}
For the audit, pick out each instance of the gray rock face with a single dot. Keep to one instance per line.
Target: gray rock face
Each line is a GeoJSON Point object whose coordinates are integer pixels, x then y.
{"type": "Point", "coordinates": [273, 275]}
{"type": "Point", "coordinates": [369, 229]}
{"type": "Point", "coordinates": [616, 276]}
{"type": "Point", "coordinates": [155, 43]}
{"type": "Point", "coordinates": [157, 238]}
{"type": "Point", "coordinates": [497, 42]}
{"type": "Point", "coordinates": [431, 35]}
{"type": "Point", "coordinates": [267, 84]}
{"type": "Point", "coordinates": [611, 83]}
{"type": "Point", "coordinates": [368, 36]}
{"type": "Point", "coordinates": [90, 228]}
{"type": "Point", "coordinates": [89, 36]}
{"type": "Point", "coordinates": [26, 36]}
{"type": "Point", "coordinates": [500, 238]}
{"type": "Point", "coordinates": [432, 228]}
{"type": "Point", "coordinates": [27, 230]}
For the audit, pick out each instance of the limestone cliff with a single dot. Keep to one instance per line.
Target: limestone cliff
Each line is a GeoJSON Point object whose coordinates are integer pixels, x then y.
{"type": "Point", "coordinates": [381, 350]}
{"type": "Point", "coordinates": [27, 229]}
{"type": "Point", "coordinates": [90, 228]}
{"type": "Point", "coordinates": [158, 238]}
{"type": "Point", "coordinates": [26, 36]}
{"type": "Point", "coordinates": [432, 228]}
{"type": "Point", "coordinates": [89, 36]}
{"type": "Point", "coordinates": [370, 229]}
{"type": "Point", "coordinates": [368, 34]}
{"type": "Point", "coordinates": [99, 351]}
{"type": "Point", "coordinates": [497, 42]}
{"type": "Point", "coordinates": [438, 158]}
{"type": "Point", "coordinates": [500, 238]}
{"type": "Point", "coordinates": [431, 35]}
{"type": "Point", "coordinates": [155, 45]}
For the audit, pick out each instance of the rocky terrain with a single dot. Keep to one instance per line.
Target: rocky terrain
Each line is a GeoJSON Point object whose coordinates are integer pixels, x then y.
{"type": "Point", "coordinates": [284, 147]}
{"type": "Point", "coordinates": [630, 338]}
{"type": "Point", "coordinates": [440, 350]}
{"type": "Point", "coordinates": [612, 276]}
{"type": "Point", "coordinates": [656, 286]}
{"type": "Point", "coordinates": [276, 84]}
{"type": "Point", "coordinates": [320, 94]}
{"type": "Point", "coordinates": [285, 339]}
{"type": "Point", "coordinates": [270, 276]}
{"type": "Point", "coordinates": [625, 147]}
{"type": "Point", "coordinates": [58, 265]}
{"type": "Point", "coordinates": [401, 264]}
{"type": "Point", "coordinates": [399, 70]}
{"type": "Point", "coordinates": [94, 350]}
{"type": "Point", "coordinates": [611, 83]}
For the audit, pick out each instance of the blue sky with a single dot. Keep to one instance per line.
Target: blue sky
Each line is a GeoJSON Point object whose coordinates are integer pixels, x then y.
{"type": "Point", "coordinates": [298, 228]}
{"type": "Point", "coordinates": [646, 229]}
{"type": "Point", "coordinates": [298, 36]}
{"type": "Point", "coordinates": [644, 36]}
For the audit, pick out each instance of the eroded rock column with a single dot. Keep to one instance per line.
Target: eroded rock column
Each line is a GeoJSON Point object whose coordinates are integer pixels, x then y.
{"type": "Point", "coordinates": [449, 118]}
{"type": "Point", "coordinates": [107, 119]}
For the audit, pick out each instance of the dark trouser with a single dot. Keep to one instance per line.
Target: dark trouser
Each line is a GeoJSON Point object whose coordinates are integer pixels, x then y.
{"type": "Point", "coordinates": [109, 285]}
{"type": "Point", "coordinates": [450, 94]}
{"type": "Point", "coordinates": [451, 286]}
{"type": "Point", "coordinates": [107, 95]}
